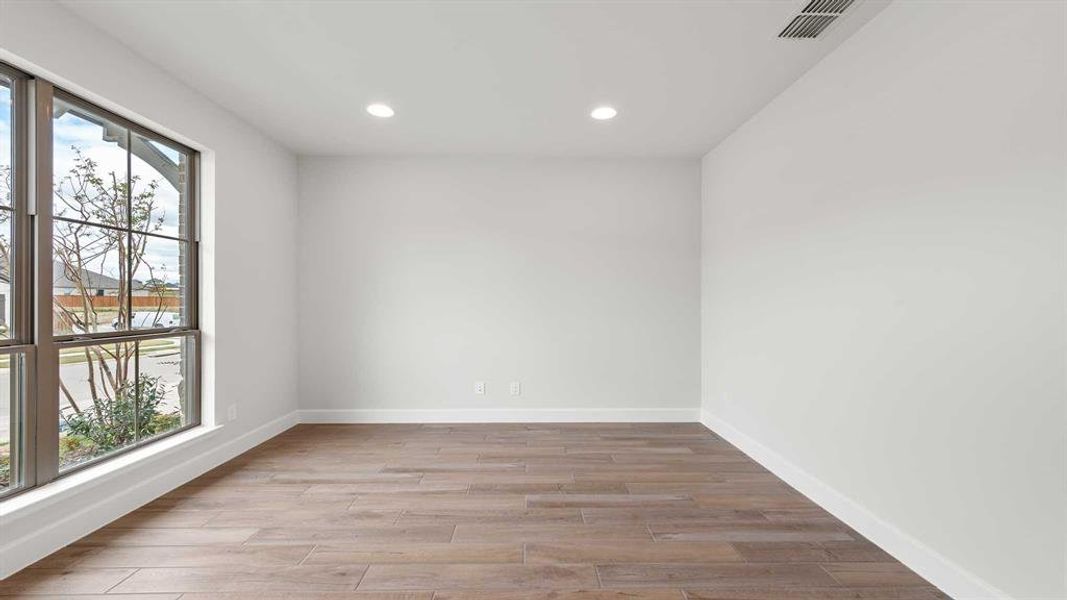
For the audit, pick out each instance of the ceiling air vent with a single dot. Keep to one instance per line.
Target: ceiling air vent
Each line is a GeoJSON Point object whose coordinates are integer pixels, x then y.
{"type": "Point", "coordinates": [814, 19]}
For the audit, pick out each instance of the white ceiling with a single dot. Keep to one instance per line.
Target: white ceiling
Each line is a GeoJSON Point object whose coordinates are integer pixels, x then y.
{"type": "Point", "coordinates": [512, 77]}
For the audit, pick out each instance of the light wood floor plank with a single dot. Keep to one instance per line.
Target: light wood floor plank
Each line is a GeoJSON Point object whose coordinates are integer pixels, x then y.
{"type": "Point", "coordinates": [873, 574]}
{"type": "Point", "coordinates": [713, 575]}
{"type": "Point", "coordinates": [526, 516]}
{"type": "Point", "coordinates": [226, 578]}
{"type": "Point", "coordinates": [338, 554]}
{"type": "Point", "coordinates": [309, 535]}
{"type": "Point", "coordinates": [632, 594]}
{"type": "Point", "coordinates": [304, 517]}
{"type": "Point", "coordinates": [824, 552]}
{"type": "Point", "coordinates": [63, 581]}
{"type": "Point", "coordinates": [820, 593]}
{"type": "Point", "coordinates": [631, 552]}
{"type": "Point", "coordinates": [36, 596]}
{"type": "Point", "coordinates": [443, 501]}
{"type": "Point", "coordinates": [704, 531]}
{"type": "Point", "coordinates": [683, 514]}
{"type": "Point", "coordinates": [533, 533]}
{"type": "Point", "coordinates": [167, 537]}
{"type": "Point", "coordinates": [480, 576]}
{"type": "Point", "coordinates": [191, 556]}
{"type": "Point", "coordinates": [154, 519]}
{"type": "Point", "coordinates": [304, 596]}
{"type": "Point", "coordinates": [607, 500]}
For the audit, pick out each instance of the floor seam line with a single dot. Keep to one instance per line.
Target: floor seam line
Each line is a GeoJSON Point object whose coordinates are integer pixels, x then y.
{"type": "Point", "coordinates": [118, 583]}
{"type": "Point", "coordinates": [361, 577]}
{"type": "Point", "coordinates": [306, 556]}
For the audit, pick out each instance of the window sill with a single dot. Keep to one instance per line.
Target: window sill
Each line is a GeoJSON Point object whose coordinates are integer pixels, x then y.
{"type": "Point", "coordinates": [41, 498]}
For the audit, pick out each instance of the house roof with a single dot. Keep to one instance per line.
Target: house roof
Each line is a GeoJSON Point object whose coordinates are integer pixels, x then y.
{"type": "Point", "coordinates": [93, 280]}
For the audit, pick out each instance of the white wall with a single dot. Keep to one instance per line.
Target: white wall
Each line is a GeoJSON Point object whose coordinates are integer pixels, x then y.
{"type": "Point", "coordinates": [883, 287]}
{"type": "Point", "coordinates": [578, 278]}
{"type": "Point", "coordinates": [248, 221]}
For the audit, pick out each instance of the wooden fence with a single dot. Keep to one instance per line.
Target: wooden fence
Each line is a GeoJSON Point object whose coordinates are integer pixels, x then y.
{"type": "Point", "coordinates": [139, 302]}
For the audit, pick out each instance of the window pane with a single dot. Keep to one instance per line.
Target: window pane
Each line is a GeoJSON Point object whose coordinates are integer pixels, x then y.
{"type": "Point", "coordinates": [159, 176]}
{"type": "Point", "coordinates": [6, 221]}
{"type": "Point", "coordinates": [165, 367]}
{"type": "Point", "coordinates": [159, 282]}
{"type": "Point", "coordinates": [89, 269]}
{"type": "Point", "coordinates": [6, 137]}
{"type": "Point", "coordinates": [115, 395]}
{"type": "Point", "coordinates": [98, 408]}
{"type": "Point", "coordinates": [11, 366]}
{"type": "Point", "coordinates": [89, 167]}
{"type": "Point", "coordinates": [7, 298]}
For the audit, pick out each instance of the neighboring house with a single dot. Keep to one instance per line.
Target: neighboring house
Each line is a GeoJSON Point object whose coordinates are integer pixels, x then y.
{"type": "Point", "coordinates": [98, 285]}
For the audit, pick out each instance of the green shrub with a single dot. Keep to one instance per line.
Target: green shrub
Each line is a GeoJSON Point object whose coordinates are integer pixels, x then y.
{"type": "Point", "coordinates": [112, 423]}
{"type": "Point", "coordinates": [109, 424]}
{"type": "Point", "coordinates": [5, 465]}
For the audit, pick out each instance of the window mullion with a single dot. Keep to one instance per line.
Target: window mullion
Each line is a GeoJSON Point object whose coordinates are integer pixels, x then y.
{"type": "Point", "coordinates": [129, 231]}
{"type": "Point", "coordinates": [46, 398]}
{"type": "Point", "coordinates": [192, 234]}
{"type": "Point", "coordinates": [23, 469]}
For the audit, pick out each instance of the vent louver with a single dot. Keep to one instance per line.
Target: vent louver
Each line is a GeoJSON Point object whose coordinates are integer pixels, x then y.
{"type": "Point", "coordinates": [814, 19]}
{"type": "Point", "coordinates": [827, 7]}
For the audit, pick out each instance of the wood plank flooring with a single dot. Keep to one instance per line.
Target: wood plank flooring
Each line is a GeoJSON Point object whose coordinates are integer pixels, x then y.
{"type": "Point", "coordinates": [478, 512]}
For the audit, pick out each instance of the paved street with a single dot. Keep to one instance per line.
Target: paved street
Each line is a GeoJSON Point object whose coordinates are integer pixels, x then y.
{"type": "Point", "coordinates": [164, 362]}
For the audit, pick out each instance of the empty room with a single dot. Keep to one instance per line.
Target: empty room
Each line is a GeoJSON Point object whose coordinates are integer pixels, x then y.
{"type": "Point", "coordinates": [533, 299]}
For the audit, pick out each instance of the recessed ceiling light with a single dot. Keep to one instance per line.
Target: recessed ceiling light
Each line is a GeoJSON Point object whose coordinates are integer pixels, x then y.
{"type": "Point", "coordinates": [380, 110]}
{"type": "Point", "coordinates": [603, 113]}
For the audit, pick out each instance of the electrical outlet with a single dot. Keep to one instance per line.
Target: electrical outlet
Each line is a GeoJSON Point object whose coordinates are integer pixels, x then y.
{"type": "Point", "coordinates": [516, 388]}
{"type": "Point", "coordinates": [479, 387]}
{"type": "Point", "coordinates": [232, 415]}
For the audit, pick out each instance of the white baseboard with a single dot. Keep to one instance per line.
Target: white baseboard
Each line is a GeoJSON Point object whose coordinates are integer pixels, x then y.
{"type": "Point", "coordinates": [134, 485]}
{"type": "Point", "coordinates": [503, 415]}
{"type": "Point", "coordinates": [951, 578]}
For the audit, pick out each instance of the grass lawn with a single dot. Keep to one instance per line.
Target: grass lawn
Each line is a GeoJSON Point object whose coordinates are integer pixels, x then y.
{"type": "Point", "coordinates": [72, 356]}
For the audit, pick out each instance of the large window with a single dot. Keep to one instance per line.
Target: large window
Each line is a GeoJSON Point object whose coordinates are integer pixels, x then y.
{"type": "Point", "coordinates": [98, 285]}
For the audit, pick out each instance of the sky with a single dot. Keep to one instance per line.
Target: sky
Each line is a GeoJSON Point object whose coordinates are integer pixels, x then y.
{"type": "Point", "coordinates": [5, 124]}
{"type": "Point", "coordinates": [5, 160]}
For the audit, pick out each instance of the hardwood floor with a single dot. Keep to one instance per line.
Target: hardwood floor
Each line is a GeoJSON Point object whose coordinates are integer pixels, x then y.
{"type": "Point", "coordinates": [479, 512]}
